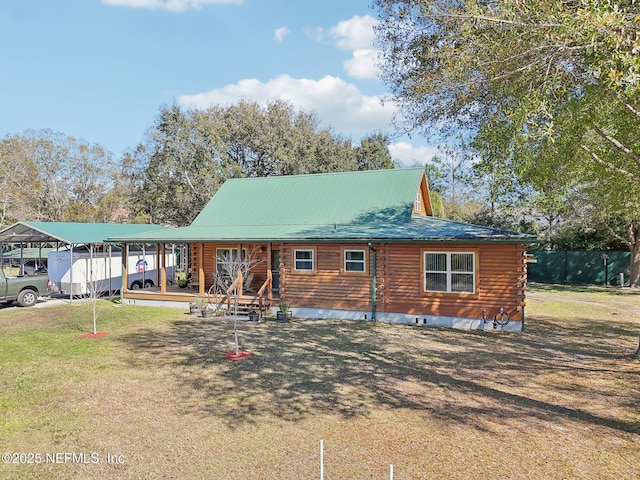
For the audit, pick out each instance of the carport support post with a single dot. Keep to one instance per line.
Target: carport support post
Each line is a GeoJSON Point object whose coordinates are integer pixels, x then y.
{"type": "Point", "coordinates": [71, 274]}
{"type": "Point", "coordinates": [110, 274]}
{"type": "Point", "coordinates": [144, 269]}
{"type": "Point", "coordinates": [125, 255]}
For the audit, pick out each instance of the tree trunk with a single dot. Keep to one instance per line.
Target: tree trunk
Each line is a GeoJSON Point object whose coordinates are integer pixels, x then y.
{"type": "Point", "coordinates": [634, 269]}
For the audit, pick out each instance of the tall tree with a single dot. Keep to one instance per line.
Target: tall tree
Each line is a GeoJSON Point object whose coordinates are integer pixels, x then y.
{"type": "Point", "coordinates": [556, 82]}
{"type": "Point", "coordinates": [373, 152]}
{"type": "Point", "coordinates": [452, 169]}
{"type": "Point", "coordinates": [52, 177]}
{"type": "Point", "coordinates": [17, 174]}
{"type": "Point", "coordinates": [188, 154]}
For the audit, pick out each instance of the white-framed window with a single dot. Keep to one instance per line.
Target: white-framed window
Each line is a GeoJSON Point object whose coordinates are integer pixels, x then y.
{"type": "Point", "coordinates": [450, 272]}
{"type": "Point", "coordinates": [355, 261]}
{"type": "Point", "coordinates": [303, 260]}
{"type": "Point", "coordinates": [223, 254]}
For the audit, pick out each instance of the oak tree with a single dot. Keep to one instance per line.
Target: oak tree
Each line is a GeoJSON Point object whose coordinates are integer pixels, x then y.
{"type": "Point", "coordinates": [556, 85]}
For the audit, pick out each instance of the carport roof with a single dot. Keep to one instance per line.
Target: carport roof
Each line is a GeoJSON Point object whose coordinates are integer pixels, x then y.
{"type": "Point", "coordinates": [70, 232]}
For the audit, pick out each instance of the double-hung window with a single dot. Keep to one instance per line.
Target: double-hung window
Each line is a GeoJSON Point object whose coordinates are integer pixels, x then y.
{"type": "Point", "coordinates": [450, 272]}
{"type": "Point", "coordinates": [303, 260]}
{"type": "Point", "coordinates": [354, 261]}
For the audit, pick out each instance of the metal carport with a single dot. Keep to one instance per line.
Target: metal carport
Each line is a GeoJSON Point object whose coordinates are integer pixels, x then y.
{"type": "Point", "coordinates": [72, 234]}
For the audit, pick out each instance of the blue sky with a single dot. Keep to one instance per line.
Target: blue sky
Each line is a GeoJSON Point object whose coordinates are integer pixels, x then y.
{"type": "Point", "coordinates": [100, 70]}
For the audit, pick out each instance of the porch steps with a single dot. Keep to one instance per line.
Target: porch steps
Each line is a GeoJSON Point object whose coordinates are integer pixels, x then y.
{"type": "Point", "coordinates": [251, 303]}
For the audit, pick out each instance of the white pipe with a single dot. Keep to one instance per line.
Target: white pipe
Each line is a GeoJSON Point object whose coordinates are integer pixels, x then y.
{"type": "Point", "coordinates": [391, 472]}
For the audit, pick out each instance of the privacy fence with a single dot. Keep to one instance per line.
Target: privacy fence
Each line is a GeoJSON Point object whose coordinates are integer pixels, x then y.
{"type": "Point", "coordinates": [579, 267]}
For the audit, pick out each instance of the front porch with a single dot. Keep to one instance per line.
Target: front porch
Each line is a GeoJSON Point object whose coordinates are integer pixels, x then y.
{"type": "Point", "coordinates": [258, 289]}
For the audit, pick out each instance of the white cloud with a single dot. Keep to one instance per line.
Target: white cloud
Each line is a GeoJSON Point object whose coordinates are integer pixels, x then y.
{"type": "Point", "coordinates": [356, 35]}
{"type": "Point", "coordinates": [280, 33]}
{"type": "Point", "coordinates": [362, 64]}
{"type": "Point", "coordinates": [170, 5]}
{"type": "Point", "coordinates": [408, 154]}
{"type": "Point", "coordinates": [336, 103]}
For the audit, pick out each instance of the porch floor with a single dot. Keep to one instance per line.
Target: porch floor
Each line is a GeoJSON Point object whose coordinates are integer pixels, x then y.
{"type": "Point", "coordinates": [173, 293]}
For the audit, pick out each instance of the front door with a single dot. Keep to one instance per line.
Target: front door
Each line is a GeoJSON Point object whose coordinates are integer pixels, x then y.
{"type": "Point", "coordinates": [275, 270]}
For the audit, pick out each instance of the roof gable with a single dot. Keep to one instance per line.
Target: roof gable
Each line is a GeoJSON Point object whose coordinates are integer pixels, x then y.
{"type": "Point", "coordinates": [319, 199]}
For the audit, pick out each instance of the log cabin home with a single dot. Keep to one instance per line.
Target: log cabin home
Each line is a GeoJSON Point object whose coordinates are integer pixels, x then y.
{"type": "Point", "coordinates": [355, 245]}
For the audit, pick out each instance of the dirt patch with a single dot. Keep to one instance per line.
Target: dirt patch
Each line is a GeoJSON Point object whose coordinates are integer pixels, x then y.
{"type": "Point", "coordinates": [95, 335]}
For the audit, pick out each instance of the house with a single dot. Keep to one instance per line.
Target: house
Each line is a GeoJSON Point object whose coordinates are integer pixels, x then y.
{"type": "Point", "coordinates": [357, 245]}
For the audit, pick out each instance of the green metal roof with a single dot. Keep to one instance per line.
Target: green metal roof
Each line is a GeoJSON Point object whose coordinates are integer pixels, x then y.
{"type": "Point", "coordinates": [419, 228]}
{"type": "Point", "coordinates": [346, 207]}
{"type": "Point", "coordinates": [69, 232]}
{"type": "Point", "coordinates": [320, 199]}
{"type": "Point", "coordinates": [26, 253]}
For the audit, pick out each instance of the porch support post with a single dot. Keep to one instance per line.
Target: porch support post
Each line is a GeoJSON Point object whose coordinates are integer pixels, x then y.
{"type": "Point", "coordinates": [163, 267]}
{"type": "Point", "coordinates": [201, 270]}
{"type": "Point", "coordinates": [158, 279]}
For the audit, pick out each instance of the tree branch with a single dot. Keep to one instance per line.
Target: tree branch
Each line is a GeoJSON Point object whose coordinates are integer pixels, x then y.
{"type": "Point", "coordinates": [504, 21]}
{"type": "Point", "coordinates": [633, 109]}
{"type": "Point", "coordinates": [619, 145]}
{"type": "Point", "coordinates": [614, 234]}
{"type": "Point", "coordinates": [608, 165]}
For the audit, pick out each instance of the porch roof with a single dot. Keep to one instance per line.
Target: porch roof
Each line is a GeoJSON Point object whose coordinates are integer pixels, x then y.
{"type": "Point", "coordinates": [419, 228]}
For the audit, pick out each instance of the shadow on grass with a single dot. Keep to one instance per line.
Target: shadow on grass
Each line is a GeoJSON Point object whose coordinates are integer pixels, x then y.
{"type": "Point", "coordinates": [312, 367]}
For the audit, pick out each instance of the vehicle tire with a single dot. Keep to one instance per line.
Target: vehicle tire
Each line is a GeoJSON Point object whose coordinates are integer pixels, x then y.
{"type": "Point", "coordinates": [136, 285]}
{"type": "Point", "coordinates": [148, 283]}
{"type": "Point", "coordinates": [27, 298]}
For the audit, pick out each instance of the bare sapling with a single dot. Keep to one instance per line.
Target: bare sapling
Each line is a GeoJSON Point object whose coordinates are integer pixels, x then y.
{"type": "Point", "coordinates": [233, 277]}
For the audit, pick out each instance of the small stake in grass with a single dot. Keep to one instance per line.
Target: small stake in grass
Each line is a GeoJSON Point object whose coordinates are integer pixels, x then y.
{"type": "Point", "coordinates": [391, 472]}
{"type": "Point", "coordinates": [321, 459]}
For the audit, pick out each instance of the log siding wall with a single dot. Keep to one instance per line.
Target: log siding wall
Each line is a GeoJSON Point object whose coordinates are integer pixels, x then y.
{"type": "Point", "coordinates": [328, 286]}
{"type": "Point", "coordinates": [500, 281]}
{"type": "Point", "coordinates": [500, 278]}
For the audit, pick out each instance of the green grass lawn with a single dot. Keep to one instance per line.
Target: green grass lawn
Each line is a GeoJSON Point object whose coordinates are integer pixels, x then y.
{"type": "Point", "coordinates": [155, 399]}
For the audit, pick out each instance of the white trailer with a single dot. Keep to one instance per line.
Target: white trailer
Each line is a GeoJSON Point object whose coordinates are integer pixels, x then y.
{"type": "Point", "coordinates": [101, 270]}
